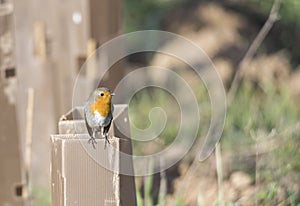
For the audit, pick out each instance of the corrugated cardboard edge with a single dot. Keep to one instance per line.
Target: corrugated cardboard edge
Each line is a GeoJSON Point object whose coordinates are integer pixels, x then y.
{"type": "Point", "coordinates": [55, 171]}
{"type": "Point", "coordinates": [58, 173]}
{"type": "Point", "coordinates": [127, 183]}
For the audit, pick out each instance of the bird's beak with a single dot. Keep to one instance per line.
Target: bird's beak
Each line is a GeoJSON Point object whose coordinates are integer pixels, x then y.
{"type": "Point", "coordinates": [112, 94]}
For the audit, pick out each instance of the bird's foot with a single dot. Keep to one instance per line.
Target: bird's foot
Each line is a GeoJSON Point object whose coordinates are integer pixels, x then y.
{"type": "Point", "coordinates": [93, 141]}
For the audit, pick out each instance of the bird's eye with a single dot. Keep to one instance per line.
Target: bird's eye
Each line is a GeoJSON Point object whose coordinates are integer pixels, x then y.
{"type": "Point", "coordinates": [102, 94]}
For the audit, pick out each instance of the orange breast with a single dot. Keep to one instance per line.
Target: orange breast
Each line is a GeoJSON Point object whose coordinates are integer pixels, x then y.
{"type": "Point", "coordinates": [101, 106]}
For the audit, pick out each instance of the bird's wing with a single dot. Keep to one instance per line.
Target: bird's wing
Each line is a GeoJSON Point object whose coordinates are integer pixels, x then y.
{"type": "Point", "coordinates": [89, 129]}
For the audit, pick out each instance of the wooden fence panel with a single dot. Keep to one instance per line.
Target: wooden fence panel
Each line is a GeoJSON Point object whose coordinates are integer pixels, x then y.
{"type": "Point", "coordinates": [11, 164]}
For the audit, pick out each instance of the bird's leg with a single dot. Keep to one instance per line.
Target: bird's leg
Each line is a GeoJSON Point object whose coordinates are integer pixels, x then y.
{"type": "Point", "coordinates": [104, 135]}
{"type": "Point", "coordinates": [106, 139]}
{"type": "Point", "coordinates": [92, 139]}
{"type": "Point", "coordinates": [102, 131]}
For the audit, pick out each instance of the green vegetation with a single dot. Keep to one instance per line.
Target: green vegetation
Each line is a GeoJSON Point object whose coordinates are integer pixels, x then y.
{"type": "Point", "coordinates": [256, 109]}
{"type": "Point", "coordinates": [41, 196]}
{"type": "Point", "coordinates": [145, 100]}
{"type": "Point", "coordinates": [259, 113]}
{"type": "Point", "coordinates": [285, 33]}
{"type": "Point", "coordinates": [139, 109]}
{"type": "Point", "coordinates": [148, 186]}
{"type": "Point", "coordinates": [289, 11]}
{"type": "Point", "coordinates": [142, 14]}
{"type": "Point", "coordinates": [148, 14]}
{"type": "Point", "coordinates": [255, 114]}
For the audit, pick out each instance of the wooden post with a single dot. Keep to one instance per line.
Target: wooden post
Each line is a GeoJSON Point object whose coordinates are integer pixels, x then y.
{"type": "Point", "coordinates": [105, 19]}
{"type": "Point", "coordinates": [77, 178]}
{"type": "Point", "coordinates": [105, 24]}
{"type": "Point", "coordinates": [11, 172]}
{"type": "Point", "coordinates": [28, 142]}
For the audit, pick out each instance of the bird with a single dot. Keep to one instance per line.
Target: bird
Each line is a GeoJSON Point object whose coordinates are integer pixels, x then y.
{"type": "Point", "coordinates": [98, 114]}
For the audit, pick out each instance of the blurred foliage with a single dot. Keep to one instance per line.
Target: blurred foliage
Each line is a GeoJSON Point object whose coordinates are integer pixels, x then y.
{"type": "Point", "coordinates": [148, 182]}
{"type": "Point", "coordinates": [142, 103]}
{"type": "Point", "coordinates": [147, 14]}
{"type": "Point", "coordinates": [145, 100]}
{"type": "Point", "coordinates": [256, 109]}
{"type": "Point", "coordinates": [41, 196]}
{"type": "Point", "coordinates": [289, 11]}
{"type": "Point", "coordinates": [261, 109]}
{"type": "Point", "coordinates": [142, 14]}
{"type": "Point", "coordinates": [150, 14]}
{"type": "Point", "coordinates": [286, 32]}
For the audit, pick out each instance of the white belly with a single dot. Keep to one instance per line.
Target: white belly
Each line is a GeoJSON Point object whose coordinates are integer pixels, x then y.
{"type": "Point", "coordinates": [101, 121]}
{"type": "Point", "coordinates": [96, 120]}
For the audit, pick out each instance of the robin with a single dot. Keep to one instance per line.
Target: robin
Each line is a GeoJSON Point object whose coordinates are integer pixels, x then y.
{"type": "Point", "coordinates": [98, 113]}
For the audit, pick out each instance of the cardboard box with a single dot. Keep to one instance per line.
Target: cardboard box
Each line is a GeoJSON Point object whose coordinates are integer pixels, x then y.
{"type": "Point", "coordinates": [82, 175]}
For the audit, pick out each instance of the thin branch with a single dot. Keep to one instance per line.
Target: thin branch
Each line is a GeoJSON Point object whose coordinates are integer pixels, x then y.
{"type": "Point", "coordinates": [273, 17]}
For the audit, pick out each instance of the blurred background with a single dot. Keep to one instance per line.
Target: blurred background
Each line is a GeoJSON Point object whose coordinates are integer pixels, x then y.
{"type": "Point", "coordinates": [43, 45]}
